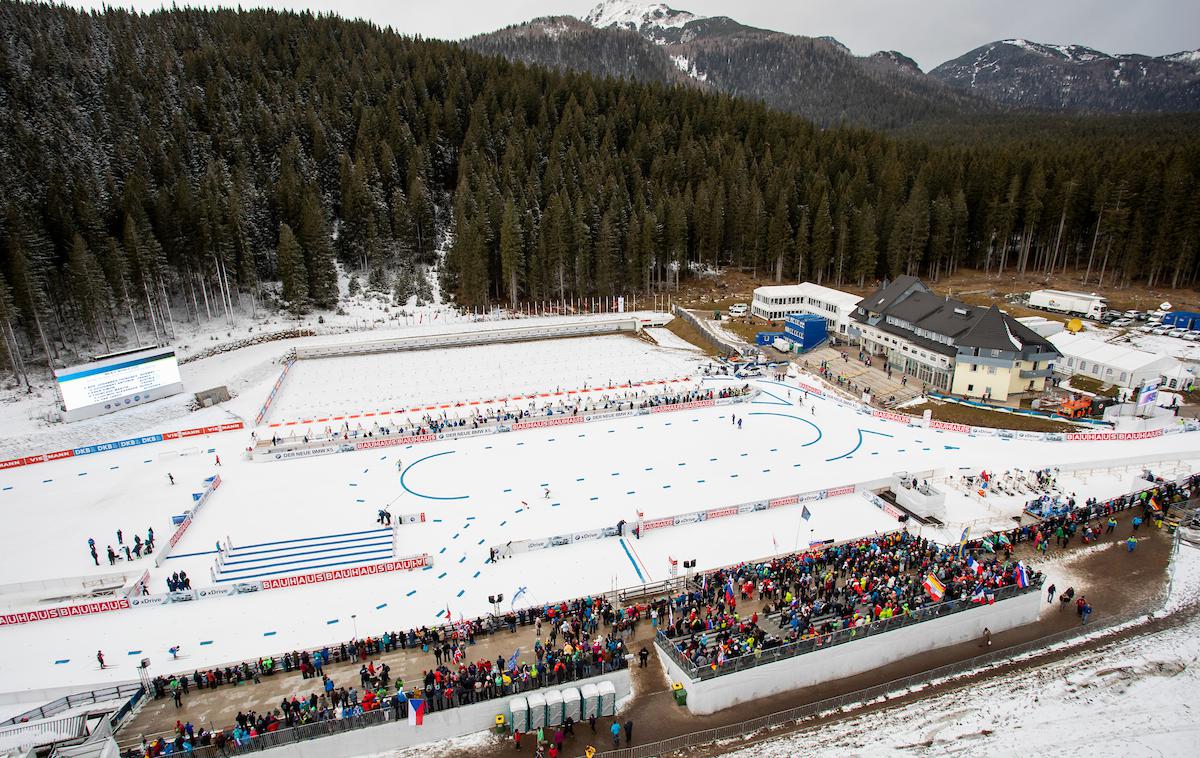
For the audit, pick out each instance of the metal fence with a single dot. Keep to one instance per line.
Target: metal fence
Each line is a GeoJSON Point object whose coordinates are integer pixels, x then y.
{"type": "Point", "coordinates": [74, 700]}
{"type": "Point", "coordinates": [821, 642]}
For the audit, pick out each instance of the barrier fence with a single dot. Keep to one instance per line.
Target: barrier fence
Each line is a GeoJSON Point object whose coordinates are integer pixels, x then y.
{"type": "Point", "coordinates": [102, 447]}
{"type": "Point", "coordinates": [76, 699]}
{"type": "Point", "coordinates": [868, 695]}
{"type": "Point", "coordinates": [821, 642]}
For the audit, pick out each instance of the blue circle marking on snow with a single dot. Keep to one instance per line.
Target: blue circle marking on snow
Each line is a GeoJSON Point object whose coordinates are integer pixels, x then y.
{"type": "Point", "coordinates": [853, 450]}
{"type": "Point", "coordinates": [801, 419]}
{"type": "Point", "coordinates": [421, 494]}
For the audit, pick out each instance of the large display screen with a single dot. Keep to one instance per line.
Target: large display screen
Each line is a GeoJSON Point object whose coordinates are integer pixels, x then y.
{"type": "Point", "coordinates": [89, 385]}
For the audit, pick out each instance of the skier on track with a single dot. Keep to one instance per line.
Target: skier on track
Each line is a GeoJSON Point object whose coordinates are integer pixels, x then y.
{"type": "Point", "coordinates": [171, 477]}
{"type": "Point", "coordinates": [218, 460]}
{"type": "Point", "coordinates": [100, 657]}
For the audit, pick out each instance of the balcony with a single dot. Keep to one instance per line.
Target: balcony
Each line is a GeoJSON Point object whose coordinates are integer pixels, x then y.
{"type": "Point", "coordinates": [1040, 373]}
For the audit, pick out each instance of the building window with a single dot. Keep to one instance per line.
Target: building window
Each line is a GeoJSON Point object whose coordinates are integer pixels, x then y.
{"type": "Point", "coordinates": [970, 388]}
{"type": "Point", "coordinates": [991, 369]}
{"type": "Point", "coordinates": [1122, 376]}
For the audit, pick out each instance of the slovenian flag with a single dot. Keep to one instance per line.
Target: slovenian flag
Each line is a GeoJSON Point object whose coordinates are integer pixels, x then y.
{"type": "Point", "coordinates": [416, 711]}
{"type": "Point", "coordinates": [1022, 577]}
{"type": "Point", "coordinates": [936, 589]}
{"type": "Point", "coordinates": [729, 592]}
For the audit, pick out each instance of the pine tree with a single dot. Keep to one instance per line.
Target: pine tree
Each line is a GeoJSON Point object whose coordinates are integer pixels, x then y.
{"type": "Point", "coordinates": [512, 264]}
{"type": "Point", "coordinates": [866, 254]}
{"type": "Point", "coordinates": [822, 239]}
{"type": "Point", "coordinates": [289, 260]}
{"type": "Point", "coordinates": [89, 290]}
{"type": "Point", "coordinates": [313, 237]}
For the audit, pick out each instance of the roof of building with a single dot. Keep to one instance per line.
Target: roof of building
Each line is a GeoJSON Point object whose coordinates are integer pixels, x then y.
{"type": "Point", "coordinates": [997, 330]}
{"type": "Point", "coordinates": [1115, 356]}
{"type": "Point", "coordinates": [809, 289]}
{"type": "Point", "coordinates": [891, 291]}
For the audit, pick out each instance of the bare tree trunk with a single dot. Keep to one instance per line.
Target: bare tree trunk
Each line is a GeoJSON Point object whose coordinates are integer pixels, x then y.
{"type": "Point", "coordinates": [150, 308]}
{"type": "Point", "coordinates": [1092, 254]}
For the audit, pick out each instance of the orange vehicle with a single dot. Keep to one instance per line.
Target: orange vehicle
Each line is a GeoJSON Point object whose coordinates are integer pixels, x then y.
{"type": "Point", "coordinates": [1075, 407]}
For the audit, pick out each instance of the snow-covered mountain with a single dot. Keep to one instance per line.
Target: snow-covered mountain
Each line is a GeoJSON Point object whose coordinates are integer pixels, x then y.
{"type": "Point", "coordinates": [817, 77]}
{"type": "Point", "coordinates": [1024, 73]}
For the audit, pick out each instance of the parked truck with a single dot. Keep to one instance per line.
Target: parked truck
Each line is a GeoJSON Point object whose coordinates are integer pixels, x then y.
{"type": "Point", "coordinates": [1071, 303]}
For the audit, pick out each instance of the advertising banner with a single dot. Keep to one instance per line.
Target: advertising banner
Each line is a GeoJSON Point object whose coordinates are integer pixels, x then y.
{"type": "Point", "coordinates": [400, 564]}
{"type": "Point", "coordinates": [683, 406]}
{"type": "Point", "coordinates": [1073, 436]}
{"type": "Point", "coordinates": [843, 490]}
{"type": "Point", "coordinates": [237, 588]}
{"type": "Point", "coordinates": [893, 416]}
{"type": "Point", "coordinates": [547, 422]}
{"type": "Point", "coordinates": [119, 444]}
{"type": "Point", "coordinates": [378, 442]}
{"type": "Point", "coordinates": [46, 614]}
{"type": "Point", "coordinates": [949, 426]}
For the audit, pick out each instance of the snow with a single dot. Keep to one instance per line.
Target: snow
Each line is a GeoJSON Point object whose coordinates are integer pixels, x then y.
{"type": "Point", "coordinates": [1144, 686]}
{"type": "Point", "coordinates": [666, 338]}
{"type": "Point", "coordinates": [476, 492]}
{"type": "Point", "coordinates": [689, 68]}
{"type": "Point", "coordinates": [630, 14]}
{"type": "Point", "coordinates": [1187, 56]}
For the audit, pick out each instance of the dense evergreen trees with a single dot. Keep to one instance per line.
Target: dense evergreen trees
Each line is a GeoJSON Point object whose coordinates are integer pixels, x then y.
{"type": "Point", "coordinates": [163, 168]}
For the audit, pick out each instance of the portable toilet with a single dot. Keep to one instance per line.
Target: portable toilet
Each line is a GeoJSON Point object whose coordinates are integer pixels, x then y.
{"type": "Point", "coordinates": [518, 709]}
{"type": "Point", "coordinates": [571, 704]}
{"type": "Point", "coordinates": [589, 701]}
{"type": "Point", "coordinates": [608, 698]}
{"type": "Point", "coordinates": [537, 711]}
{"type": "Point", "coordinates": [554, 708]}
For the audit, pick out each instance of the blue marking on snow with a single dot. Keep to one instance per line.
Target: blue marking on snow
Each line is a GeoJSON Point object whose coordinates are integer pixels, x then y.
{"type": "Point", "coordinates": [594, 498]}
{"type": "Point", "coordinates": [699, 481]}
{"type": "Point", "coordinates": [519, 444]}
{"type": "Point", "coordinates": [419, 494]}
{"type": "Point", "coordinates": [383, 457]}
{"type": "Point", "coordinates": [733, 476]}
{"type": "Point", "coordinates": [82, 473]}
{"type": "Point", "coordinates": [460, 560]}
{"type": "Point", "coordinates": [353, 484]}
{"type": "Point", "coordinates": [456, 535]}
{"type": "Point", "coordinates": [488, 447]}
{"type": "Point", "coordinates": [582, 435]}
{"type": "Point", "coordinates": [331, 621]}
{"type": "Point", "coordinates": [773, 450]}
{"type": "Point", "coordinates": [442, 575]}
{"type": "Point", "coordinates": [135, 652]}
{"type": "Point", "coordinates": [47, 481]}
{"type": "Point", "coordinates": [580, 479]}
{"type": "Point", "coordinates": [666, 486]}
{"type": "Point", "coordinates": [743, 455]}
{"type": "Point", "coordinates": [477, 573]}
{"type": "Point", "coordinates": [518, 510]}
{"type": "Point", "coordinates": [381, 606]}
{"type": "Point", "coordinates": [544, 484]}
{"type": "Point", "coordinates": [470, 518]}
{"type": "Point", "coordinates": [480, 542]}
{"type": "Point", "coordinates": [466, 526]}
{"type": "Point", "coordinates": [62, 661]}
{"type": "Point", "coordinates": [816, 428]}
{"type": "Point", "coordinates": [641, 427]}
{"type": "Point", "coordinates": [6, 489]}
{"type": "Point", "coordinates": [925, 449]}
{"type": "Point", "coordinates": [113, 468]}
{"type": "Point", "coordinates": [437, 521]}
{"type": "Point", "coordinates": [268, 634]}
{"type": "Point", "coordinates": [853, 450]}
{"type": "Point", "coordinates": [441, 551]}
{"type": "Point", "coordinates": [778, 399]}
{"type": "Point", "coordinates": [502, 523]}
{"type": "Point", "coordinates": [630, 492]}
{"type": "Point", "coordinates": [766, 471]}
{"type": "Point", "coordinates": [875, 452]}
{"type": "Point", "coordinates": [555, 505]}
{"type": "Point", "coordinates": [461, 593]}
{"type": "Point", "coordinates": [681, 464]}
{"type": "Point", "coordinates": [508, 490]}
{"type": "Point", "coordinates": [366, 470]}
{"type": "Point", "coordinates": [667, 424]}
{"type": "Point", "coordinates": [795, 465]}
{"type": "Point", "coordinates": [612, 431]}
{"type": "Point", "coordinates": [629, 555]}
{"type": "Point", "coordinates": [712, 460]}
{"type": "Point", "coordinates": [411, 593]}
{"type": "Point", "coordinates": [427, 568]}
{"type": "Point", "coordinates": [148, 460]}
{"type": "Point", "coordinates": [615, 473]}
{"type": "Point", "coordinates": [360, 500]}
{"type": "Point", "coordinates": [649, 468]}
{"type": "Point", "coordinates": [205, 642]}
{"type": "Point", "coordinates": [950, 447]}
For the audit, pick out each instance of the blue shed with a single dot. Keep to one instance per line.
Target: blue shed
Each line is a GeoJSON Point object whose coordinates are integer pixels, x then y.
{"type": "Point", "coordinates": [1183, 320]}
{"type": "Point", "coordinates": [806, 330]}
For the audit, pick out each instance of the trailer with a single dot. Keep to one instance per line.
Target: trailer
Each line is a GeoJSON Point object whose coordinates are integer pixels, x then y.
{"type": "Point", "coordinates": [1072, 303]}
{"type": "Point", "coordinates": [805, 330]}
{"type": "Point", "coordinates": [1189, 320]}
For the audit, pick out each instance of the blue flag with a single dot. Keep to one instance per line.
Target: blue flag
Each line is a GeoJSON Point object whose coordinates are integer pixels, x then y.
{"type": "Point", "coordinates": [512, 662]}
{"type": "Point", "coordinates": [805, 513]}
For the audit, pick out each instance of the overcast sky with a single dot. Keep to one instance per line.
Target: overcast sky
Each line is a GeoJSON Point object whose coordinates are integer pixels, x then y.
{"type": "Point", "coordinates": [929, 31]}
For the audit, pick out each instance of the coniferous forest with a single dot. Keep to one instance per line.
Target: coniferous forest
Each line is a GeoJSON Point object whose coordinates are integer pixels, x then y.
{"type": "Point", "coordinates": [174, 164]}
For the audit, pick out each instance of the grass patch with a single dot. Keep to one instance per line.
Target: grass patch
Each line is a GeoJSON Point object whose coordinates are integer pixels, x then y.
{"type": "Point", "coordinates": [965, 414]}
{"type": "Point", "coordinates": [1094, 386]}
{"type": "Point", "coordinates": [684, 330]}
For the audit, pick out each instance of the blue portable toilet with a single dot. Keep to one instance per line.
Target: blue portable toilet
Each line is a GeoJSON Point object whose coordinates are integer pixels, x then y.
{"type": "Point", "coordinates": [806, 330]}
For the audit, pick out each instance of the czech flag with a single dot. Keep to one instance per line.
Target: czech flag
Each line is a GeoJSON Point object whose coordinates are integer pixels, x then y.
{"type": "Point", "coordinates": [416, 711]}
{"type": "Point", "coordinates": [936, 589]}
{"type": "Point", "coordinates": [1022, 577]}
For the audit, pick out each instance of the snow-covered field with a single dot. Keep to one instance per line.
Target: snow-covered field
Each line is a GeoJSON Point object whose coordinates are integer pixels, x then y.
{"type": "Point", "coordinates": [476, 492]}
{"type": "Point", "coordinates": [1129, 699]}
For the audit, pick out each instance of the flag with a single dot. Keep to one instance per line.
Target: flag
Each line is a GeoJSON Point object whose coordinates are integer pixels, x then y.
{"type": "Point", "coordinates": [729, 591]}
{"type": "Point", "coordinates": [416, 711]}
{"type": "Point", "coordinates": [805, 513]}
{"type": "Point", "coordinates": [704, 583]}
{"type": "Point", "coordinates": [936, 589]}
{"type": "Point", "coordinates": [1153, 503]}
{"type": "Point", "coordinates": [962, 541]}
{"type": "Point", "coordinates": [512, 662]}
{"type": "Point", "coordinates": [517, 595]}
{"type": "Point", "coordinates": [974, 566]}
{"type": "Point", "coordinates": [1022, 577]}
{"type": "Point", "coordinates": [978, 595]}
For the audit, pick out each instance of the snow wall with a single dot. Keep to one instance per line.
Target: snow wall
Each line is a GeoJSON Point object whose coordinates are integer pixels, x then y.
{"type": "Point", "coordinates": [712, 695]}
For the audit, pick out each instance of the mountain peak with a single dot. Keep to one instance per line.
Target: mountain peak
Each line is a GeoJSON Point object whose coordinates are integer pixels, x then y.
{"type": "Point", "coordinates": [637, 16]}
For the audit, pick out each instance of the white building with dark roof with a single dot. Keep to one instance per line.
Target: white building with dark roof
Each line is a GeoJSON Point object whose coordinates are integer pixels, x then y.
{"type": "Point", "coordinates": [1112, 364]}
{"type": "Point", "coordinates": [951, 346]}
